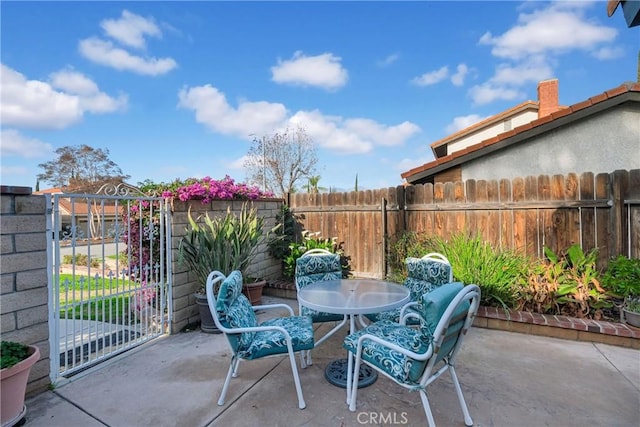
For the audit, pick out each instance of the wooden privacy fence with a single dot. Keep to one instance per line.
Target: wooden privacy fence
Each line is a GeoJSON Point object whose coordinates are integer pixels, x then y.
{"type": "Point", "coordinates": [595, 211]}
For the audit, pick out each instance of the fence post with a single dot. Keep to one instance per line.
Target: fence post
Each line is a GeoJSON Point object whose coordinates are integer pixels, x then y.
{"type": "Point", "coordinates": [385, 237]}
{"type": "Point", "coordinates": [619, 181]}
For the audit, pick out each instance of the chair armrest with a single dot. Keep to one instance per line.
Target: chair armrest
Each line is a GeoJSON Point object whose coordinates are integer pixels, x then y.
{"type": "Point", "coordinates": [409, 353]}
{"type": "Point", "coordinates": [271, 306]}
{"type": "Point", "coordinates": [403, 319]}
{"type": "Point", "coordinates": [258, 329]}
{"type": "Point", "coordinates": [410, 307]}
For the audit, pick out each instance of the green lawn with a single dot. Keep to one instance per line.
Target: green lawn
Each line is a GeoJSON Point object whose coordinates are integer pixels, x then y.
{"type": "Point", "coordinates": [109, 298]}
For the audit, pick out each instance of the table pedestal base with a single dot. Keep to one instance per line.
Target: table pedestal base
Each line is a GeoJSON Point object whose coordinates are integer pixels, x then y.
{"type": "Point", "coordinates": [336, 374]}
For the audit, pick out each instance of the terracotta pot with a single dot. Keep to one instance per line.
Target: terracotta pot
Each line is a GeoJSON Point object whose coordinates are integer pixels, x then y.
{"type": "Point", "coordinates": [253, 291]}
{"type": "Point", "coordinates": [13, 386]}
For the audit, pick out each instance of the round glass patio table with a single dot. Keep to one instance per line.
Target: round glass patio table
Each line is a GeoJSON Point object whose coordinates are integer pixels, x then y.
{"type": "Point", "coordinates": [352, 297]}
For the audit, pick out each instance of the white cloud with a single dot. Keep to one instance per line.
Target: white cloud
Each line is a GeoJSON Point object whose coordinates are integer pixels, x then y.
{"type": "Point", "coordinates": [388, 60]}
{"type": "Point", "coordinates": [237, 164]}
{"type": "Point", "coordinates": [532, 70]}
{"type": "Point", "coordinates": [461, 73]}
{"type": "Point", "coordinates": [91, 99]}
{"type": "Point", "coordinates": [556, 29]}
{"type": "Point", "coordinates": [532, 47]}
{"type": "Point", "coordinates": [432, 77]}
{"type": "Point", "coordinates": [324, 71]}
{"type": "Point", "coordinates": [105, 53]}
{"type": "Point", "coordinates": [406, 163]}
{"type": "Point", "coordinates": [335, 133]}
{"type": "Point", "coordinates": [488, 92]}
{"type": "Point", "coordinates": [131, 29]}
{"type": "Point", "coordinates": [212, 110]}
{"type": "Point", "coordinates": [12, 143]}
{"type": "Point", "coordinates": [35, 104]}
{"type": "Point", "coordinates": [51, 105]}
{"type": "Point", "coordinates": [608, 52]}
{"type": "Point", "coordinates": [463, 122]}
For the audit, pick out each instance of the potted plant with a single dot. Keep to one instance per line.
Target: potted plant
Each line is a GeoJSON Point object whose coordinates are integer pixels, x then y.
{"type": "Point", "coordinates": [631, 311]}
{"type": "Point", "coordinates": [16, 360]}
{"type": "Point", "coordinates": [622, 281]}
{"type": "Point", "coordinates": [224, 244]}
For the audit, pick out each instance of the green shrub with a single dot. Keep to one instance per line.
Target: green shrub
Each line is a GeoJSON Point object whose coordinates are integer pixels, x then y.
{"type": "Point", "coordinates": [500, 274]}
{"type": "Point", "coordinates": [80, 259]}
{"type": "Point", "coordinates": [622, 277]}
{"type": "Point", "coordinates": [409, 244]}
{"type": "Point", "coordinates": [12, 353]}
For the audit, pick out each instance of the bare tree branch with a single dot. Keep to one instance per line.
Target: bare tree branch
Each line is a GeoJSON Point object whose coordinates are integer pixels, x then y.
{"type": "Point", "coordinates": [277, 162]}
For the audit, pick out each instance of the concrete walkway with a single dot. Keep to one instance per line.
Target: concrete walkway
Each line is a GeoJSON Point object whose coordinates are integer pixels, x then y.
{"type": "Point", "coordinates": [509, 379]}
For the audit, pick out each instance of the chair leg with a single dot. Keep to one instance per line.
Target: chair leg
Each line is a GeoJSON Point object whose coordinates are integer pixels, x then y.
{"type": "Point", "coordinates": [427, 408]}
{"type": "Point", "coordinates": [352, 389]}
{"type": "Point", "coordinates": [296, 380]}
{"type": "Point", "coordinates": [233, 366]}
{"type": "Point", "coordinates": [465, 410]}
{"type": "Point", "coordinates": [303, 363]}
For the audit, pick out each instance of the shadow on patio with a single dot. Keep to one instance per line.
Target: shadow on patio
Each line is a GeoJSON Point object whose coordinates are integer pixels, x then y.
{"type": "Point", "coordinates": [508, 379]}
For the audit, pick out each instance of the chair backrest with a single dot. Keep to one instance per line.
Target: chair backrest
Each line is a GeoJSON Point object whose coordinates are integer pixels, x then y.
{"type": "Point", "coordinates": [447, 313]}
{"type": "Point", "coordinates": [231, 309]}
{"type": "Point", "coordinates": [427, 273]}
{"type": "Point", "coordinates": [316, 265]}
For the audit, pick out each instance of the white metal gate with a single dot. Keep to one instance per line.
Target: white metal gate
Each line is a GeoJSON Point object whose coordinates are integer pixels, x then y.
{"type": "Point", "coordinates": [110, 275]}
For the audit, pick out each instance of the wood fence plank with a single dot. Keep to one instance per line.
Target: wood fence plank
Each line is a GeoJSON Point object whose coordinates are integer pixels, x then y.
{"type": "Point", "coordinates": [587, 215]}
{"type": "Point", "coordinates": [523, 213]}
{"type": "Point", "coordinates": [506, 218]}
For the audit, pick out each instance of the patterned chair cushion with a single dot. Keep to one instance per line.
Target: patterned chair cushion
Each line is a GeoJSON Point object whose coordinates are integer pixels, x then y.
{"type": "Point", "coordinates": [424, 276]}
{"type": "Point", "coordinates": [392, 316]}
{"type": "Point", "coordinates": [315, 267]}
{"type": "Point", "coordinates": [273, 342]}
{"type": "Point", "coordinates": [235, 311]}
{"type": "Point", "coordinates": [396, 364]}
{"type": "Point", "coordinates": [320, 316]}
{"type": "Point", "coordinates": [318, 268]}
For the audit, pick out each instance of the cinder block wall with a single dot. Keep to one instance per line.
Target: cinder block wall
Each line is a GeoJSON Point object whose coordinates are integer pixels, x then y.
{"type": "Point", "coordinates": [185, 310]}
{"type": "Point", "coordinates": [23, 269]}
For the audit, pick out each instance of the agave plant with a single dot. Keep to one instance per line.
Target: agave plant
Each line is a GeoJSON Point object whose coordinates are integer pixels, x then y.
{"type": "Point", "coordinates": [224, 243]}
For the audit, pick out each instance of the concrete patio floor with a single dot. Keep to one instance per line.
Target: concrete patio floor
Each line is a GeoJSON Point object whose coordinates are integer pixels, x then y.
{"type": "Point", "coordinates": [508, 379]}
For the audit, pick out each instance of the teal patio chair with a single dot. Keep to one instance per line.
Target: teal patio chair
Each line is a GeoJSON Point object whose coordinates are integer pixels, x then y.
{"type": "Point", "coordinates": [415, 357]}
{"type": "Point", "coordinates": [313, 266]}
{"type": "Point", "coordinates": [250, 340]}
{"type": "Point", "coordinates": [424, 275]}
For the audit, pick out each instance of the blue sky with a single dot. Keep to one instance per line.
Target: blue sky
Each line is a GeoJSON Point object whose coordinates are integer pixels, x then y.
{"type": "Point", "coordinates": [179, 89]}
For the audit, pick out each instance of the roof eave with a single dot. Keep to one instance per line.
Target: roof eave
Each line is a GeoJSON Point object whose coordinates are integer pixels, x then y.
{"type": "Point", "coordinates": [518, 137]}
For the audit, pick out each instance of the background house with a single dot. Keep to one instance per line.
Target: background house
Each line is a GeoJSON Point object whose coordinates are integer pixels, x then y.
{"type": "Point", "coordinates": [599, 135]}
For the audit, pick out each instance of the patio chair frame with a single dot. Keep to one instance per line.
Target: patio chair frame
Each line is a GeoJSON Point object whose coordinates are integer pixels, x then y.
{"type": "Point", "coordinates": [432, 356]}
{"type": "Point", "coordinates": [214, 278]}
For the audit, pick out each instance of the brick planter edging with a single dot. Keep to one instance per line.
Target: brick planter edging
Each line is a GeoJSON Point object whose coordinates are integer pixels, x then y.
{"type": "Point", "coordinates": [565, 327]}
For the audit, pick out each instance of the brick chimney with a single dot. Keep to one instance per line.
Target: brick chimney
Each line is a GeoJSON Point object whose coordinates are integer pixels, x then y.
{"type": "Point", "coordinates": [548, 97]}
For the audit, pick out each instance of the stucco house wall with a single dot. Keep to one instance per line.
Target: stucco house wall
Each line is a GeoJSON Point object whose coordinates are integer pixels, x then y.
{"type": "Point", "coordinates": [601, 143]}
